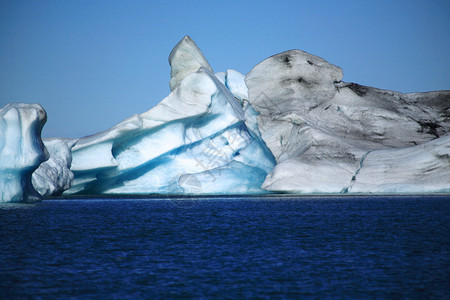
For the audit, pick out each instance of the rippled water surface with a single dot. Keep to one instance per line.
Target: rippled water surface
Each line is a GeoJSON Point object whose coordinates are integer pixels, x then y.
{"type": "Point", "coordinates": [285, 247]}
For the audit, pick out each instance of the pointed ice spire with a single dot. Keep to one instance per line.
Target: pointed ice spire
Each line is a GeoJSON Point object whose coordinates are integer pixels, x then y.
{"type": "Point", "coordinates": [185, 59]}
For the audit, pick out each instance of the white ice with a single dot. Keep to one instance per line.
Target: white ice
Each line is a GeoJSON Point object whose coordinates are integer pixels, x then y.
{"type": "Point", "coordinates": [54, 176]}
{"type": "Point", "coordinates": [329, 136]}
{"type": "Point", "coordinates": [198, 130]}
{"type": "Point", "coordinates": [21, 150]}
{"type": "Point", "coordinates": [423, 168]}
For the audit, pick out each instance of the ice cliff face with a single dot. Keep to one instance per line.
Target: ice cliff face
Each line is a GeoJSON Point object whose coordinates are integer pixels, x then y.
{"type": "Point", "coordinates": [21, 150]}
{"type": "Point", "coordinates": [194, 141]}
{"type": "Point", "coordinates": [329, 136]}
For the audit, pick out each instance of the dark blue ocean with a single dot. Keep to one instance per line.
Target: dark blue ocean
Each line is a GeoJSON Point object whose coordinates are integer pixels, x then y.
{"type": "Point", "coordinates": [227, 247]}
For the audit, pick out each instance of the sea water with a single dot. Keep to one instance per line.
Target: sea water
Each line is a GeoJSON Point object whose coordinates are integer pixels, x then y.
{"type": "Point", "coordinates": [227, 247]}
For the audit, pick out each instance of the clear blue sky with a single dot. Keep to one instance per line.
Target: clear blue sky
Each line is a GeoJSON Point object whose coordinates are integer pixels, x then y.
{"type": "Point", "coordinates": [93, 63]}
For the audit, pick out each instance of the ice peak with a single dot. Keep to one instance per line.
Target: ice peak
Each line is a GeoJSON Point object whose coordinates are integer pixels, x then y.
{"type": "Point", "coordinates": [185, 59]}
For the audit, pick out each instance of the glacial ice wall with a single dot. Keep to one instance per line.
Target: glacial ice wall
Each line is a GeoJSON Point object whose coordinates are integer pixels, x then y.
{"type": "Point", "coordinates": [329, 136]}
{"type": "Point", "coordinates": [21, 150]}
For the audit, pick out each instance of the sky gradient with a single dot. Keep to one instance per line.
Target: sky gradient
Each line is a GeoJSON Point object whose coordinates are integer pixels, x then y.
{"type": "Point", "coordinates": [91, 64]}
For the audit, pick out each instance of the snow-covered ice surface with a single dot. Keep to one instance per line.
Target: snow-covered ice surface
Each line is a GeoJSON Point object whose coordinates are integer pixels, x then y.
{"type": "Point", "coordinates": [194, 141]}
{"type": "Point", "coordinates": [21, 150]}
{"type": "Point", "coordinates": [330, 136]}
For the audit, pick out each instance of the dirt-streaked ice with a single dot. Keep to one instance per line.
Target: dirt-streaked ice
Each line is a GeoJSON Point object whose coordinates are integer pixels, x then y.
{"type": "Point", "coordinates": [321, 129]}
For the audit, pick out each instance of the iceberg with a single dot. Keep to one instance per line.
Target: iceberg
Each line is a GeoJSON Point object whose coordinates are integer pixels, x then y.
{"type": "Point", "coordinates": [329, 136]}
{"type": "Point", "coordinates": [195, 141]}
{"type": "Point", "coordinates": [291, 125]}
{"type": "Point", "coordinates": [21, 150]}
